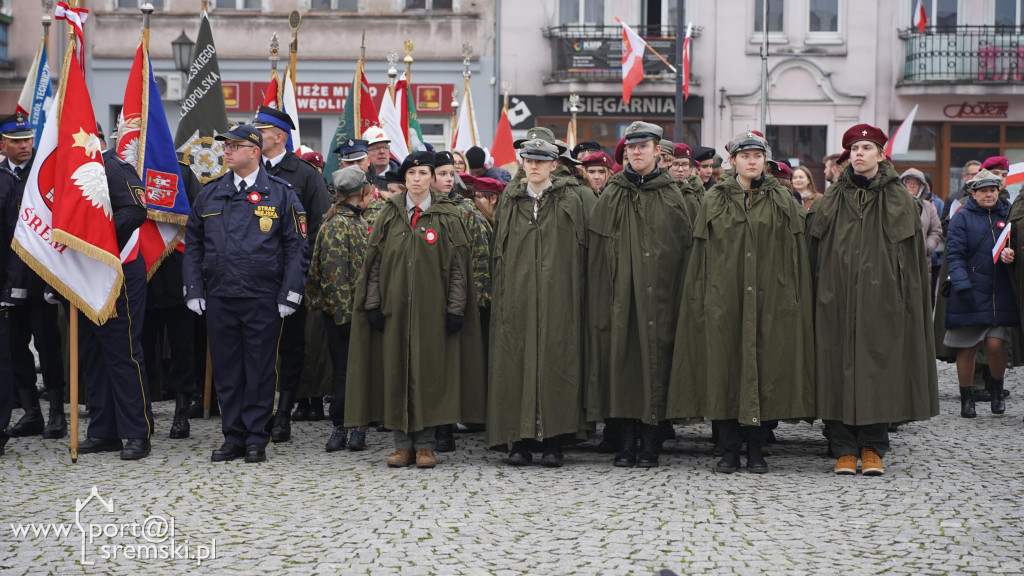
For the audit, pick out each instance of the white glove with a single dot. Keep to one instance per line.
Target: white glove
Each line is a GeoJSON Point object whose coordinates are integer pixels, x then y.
{"type": "Point", "coordinates": [197, 305]}
{"type": "Point", "coordinates": [285, 310]}
{"type": "Point", "coordinates": [50, 298]}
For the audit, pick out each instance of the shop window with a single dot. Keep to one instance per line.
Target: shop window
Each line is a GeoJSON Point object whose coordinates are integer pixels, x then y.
{"type": "Point", "coordinates": [1015, 133]}
{"type": "Point", "coordinates": [971, 133]}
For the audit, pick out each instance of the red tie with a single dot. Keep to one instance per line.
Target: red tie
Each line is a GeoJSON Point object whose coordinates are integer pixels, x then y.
{"type": "Point", "coordinates": [416, 211]}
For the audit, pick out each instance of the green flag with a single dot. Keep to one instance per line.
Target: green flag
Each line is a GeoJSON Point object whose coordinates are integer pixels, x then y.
{"type": "Point", "coordinates": [202, 110]}
{"type": "Point", "coordinates": [358, 114]}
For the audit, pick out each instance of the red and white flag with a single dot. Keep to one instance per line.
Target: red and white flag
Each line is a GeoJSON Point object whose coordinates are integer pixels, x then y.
{"type": "Point", "coordinates": [997, 250]}
{"type": "Point", "coordinates": [920, 17]}
{"type": "Point", "coordinates": [686, 62]}
{"type": "Point", "coordinates": [76, 17]}
{"type": "Point", "coordinates": [395, 127]}
{"type": "Point", "coordinates": [1016, 174]}
{"type": "Point", "coordinates": [272, 97]}
{"type": "Point", "coordinates": [633, 47]}
{"type": "Point", "coordinates": [899, 142]}
{"type": "Point", "coordinates": [65, 230]}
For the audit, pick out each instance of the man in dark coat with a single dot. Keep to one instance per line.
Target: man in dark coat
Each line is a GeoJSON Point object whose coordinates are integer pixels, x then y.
{"type": "Point", "coordinates": [309, 186]}
{"type": "Point", "coordinates": [875, 348]}
{"type": "Point", "coordinates": [245, 266]}
{"type": "Point", "coordinates": [536, 356]}
{"type": "Point", "coordinates": [640, 237]}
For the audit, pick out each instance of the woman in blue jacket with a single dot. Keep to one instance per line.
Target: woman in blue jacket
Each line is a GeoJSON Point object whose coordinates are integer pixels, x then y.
{"type": "Point", "coordinates": [981, 304]}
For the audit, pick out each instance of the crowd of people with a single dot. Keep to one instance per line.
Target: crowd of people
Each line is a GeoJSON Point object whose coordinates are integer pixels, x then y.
{"type": "Point", "coordinates": [639, 288]}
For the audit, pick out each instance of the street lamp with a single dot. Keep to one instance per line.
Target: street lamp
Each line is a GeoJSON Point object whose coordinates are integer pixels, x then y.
{"type": "Point", "coordinates": [182, 49]}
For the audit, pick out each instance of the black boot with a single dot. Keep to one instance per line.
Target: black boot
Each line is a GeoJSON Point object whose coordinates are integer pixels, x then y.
{"type": "Point", "coordinates": [665, 432]}
{"type": "Point", "coordinates": [650, 446]}
{"type": "Point", "coordinates": [282, 430]}
{"type": "Point", "coordinates": [552, 454]}
{"type": "Point", "coordinates": [626, 458]}
{"type": "Point", "coordinates": [180, 427]}
{"type": "Point", "coordinates": [998, 400]}
{"type": "Point", "coordinates": [57, 427]}
{"type": "Point", "coordinates": [967, 403]}
{"type": "Point", "coordinates": [31, 424]}
{"type": "Point", "coordinates": [756, 463]}
{"type": "Point", "coordinates": [729, 463]}
{"type": "Point", "coordinates": [729, 442]}
{"type": "Point", "coordinates": [301, 413]}
{"type": "Point", "coordinates": [316, 409]}
{"type": "Point", "coordinates": [445, 437]}
{"type": "Point", "coordinates": [611, 440]}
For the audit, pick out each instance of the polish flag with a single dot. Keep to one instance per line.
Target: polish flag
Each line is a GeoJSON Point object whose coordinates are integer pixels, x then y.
{"type": "Point", "coordinates": [272, 97]}
{"type": "Point", "coordinates": [997, 250]}
{"type": "Point", "coordinates": [686, 63]}
{"type": "Point", "coordinates": [633, 47]}
{"type": "Point", "coordinates": [899, 143]}
{"type": "Point", "coordinates": [1016, 174]}
{"type": "Point", "coordinates": [920, 17]}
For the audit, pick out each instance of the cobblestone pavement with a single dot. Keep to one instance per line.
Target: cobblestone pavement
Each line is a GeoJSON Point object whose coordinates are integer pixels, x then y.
{"type": "Point", "coordinates": [949, 503]}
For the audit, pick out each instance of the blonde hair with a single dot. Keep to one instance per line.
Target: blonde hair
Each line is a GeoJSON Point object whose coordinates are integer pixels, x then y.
{"type": "Point", "coordinates": [810, 179]}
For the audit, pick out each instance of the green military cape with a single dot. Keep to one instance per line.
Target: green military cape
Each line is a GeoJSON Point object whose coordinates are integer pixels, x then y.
{"type": "Point", "coordinates": [639, 242]}
{"type": "Point", "coordinates": [874, 347]}
{"type": "Point", "coordinates": [414, 374]}
{"type": "Point", "coordinates": [693, 195]}
{"type": "Point", "coordinates": [537, 315]}
{"type": "Point", "coordinates": [744, 345]}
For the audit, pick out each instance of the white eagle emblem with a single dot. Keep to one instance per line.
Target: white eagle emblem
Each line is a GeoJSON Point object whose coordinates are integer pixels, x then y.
{"type": "Point", "coordinates": [130, 152]}
{"type": "Point", "coordinates": [91, 179]}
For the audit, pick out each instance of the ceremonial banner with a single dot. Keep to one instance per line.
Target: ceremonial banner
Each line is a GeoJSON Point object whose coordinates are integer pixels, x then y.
{"type": "Point", "coordinates": [503, 151]}
{"type": "Point", "coordinates": [37, 94]}
{"type": "Point", "coordinates": [392, 121]}
{"type": "Point", "coordinates": [202, 110]}
{"type": "Point", "coordinates": [288, 107]}
{"type": "Point", "coordinates": [144, 141]}
{"type": "Point", "coordinates": [65, 230]}
{"type": "Point", "coordinates": [466, 134]}
{"type": "Point", "coordinates": [632, 60]}
{"type": "Point", "coordinates": [359, 114]}
{"type": "Point", "coordinates": [686, 63]}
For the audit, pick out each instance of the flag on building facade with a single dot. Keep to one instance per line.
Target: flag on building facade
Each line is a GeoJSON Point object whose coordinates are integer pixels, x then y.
{"type": "Point", "coordinates": [686, 62]}
{"type": "Point", "coordinates": [37, 93]}
{"type": "Point", "coordinates": [65, 230]}
{"type": "Point", "coordinates": [144, 141]}
{"type": "Point", "coordinates": [920, 17]}
{"type": "Point", "coordinates": [358, 114]}
{"type": "Point", "coordinates": [203, 115]}
{"type": "Point", "coordinates": [632, 60]}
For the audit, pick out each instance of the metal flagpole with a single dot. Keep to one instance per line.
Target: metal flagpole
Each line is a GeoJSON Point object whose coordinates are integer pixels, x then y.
{"type": "Point", "coordinates": [764, 65]}
{"type": "Point", "coordinates": [680, 17]}
{"type": "Point", "coordinates": [408, 45]}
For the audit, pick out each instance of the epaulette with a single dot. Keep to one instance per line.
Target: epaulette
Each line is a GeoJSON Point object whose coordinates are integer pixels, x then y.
{"type": "Point", "coordinates": [280, 180]}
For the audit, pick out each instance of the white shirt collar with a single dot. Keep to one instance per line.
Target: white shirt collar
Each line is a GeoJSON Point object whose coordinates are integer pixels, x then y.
{"type": "Point", "coordinates": [250, 180]}
{"type": "Point", "coordinates": [409, 206]}
{"type": "Point", "coordinates": [276, 159]}
{"type": "Point", "coordinates": [529, 189]}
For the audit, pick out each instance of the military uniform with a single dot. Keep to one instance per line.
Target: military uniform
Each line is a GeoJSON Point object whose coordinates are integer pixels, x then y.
{"type": "Point", "coordinates": [10, 266]}
{"type": "Point", "coordinates": [311, 190]}
{"type": "Point", "coordinates": [246, 252]}
{"type": "Point", "coordinates": [113, 364]}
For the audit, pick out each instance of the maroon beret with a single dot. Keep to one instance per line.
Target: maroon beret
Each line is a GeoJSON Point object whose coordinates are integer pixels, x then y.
{"type": "Point", "coordinates": [758, 133]}
{"type": "Point", "coordinates": [314, 158]}
{"type": "Point", "coordinates": [620, 148]}
{"type": "Point", "coordinates": [597, 159]}
{"type": "Point", "coordinates": [996, 163]}
{"type": "Point", "coordinates": [483, 184]}
{"type": "Point", "coordinates": [779, 170]}
{"type": "Point", "coordinates": [843, 157]}
{"type": "Point", "coordinates": [864, 132]}
{"type": "Point", "coordinates": [683, 151]}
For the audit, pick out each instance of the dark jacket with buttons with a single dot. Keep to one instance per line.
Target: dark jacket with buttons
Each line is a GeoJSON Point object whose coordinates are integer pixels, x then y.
{"type": "Point", "coordinates": [982, 294]}
{"type": "Point", "coordinates": [309, 187]}
{"type": "Point", "coordinates": [12, 269]}
{"type": "Point", "coordinates": [229, 255]}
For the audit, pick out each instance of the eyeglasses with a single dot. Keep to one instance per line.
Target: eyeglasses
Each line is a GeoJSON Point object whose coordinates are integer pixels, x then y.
{"type": "Point", "coordinates": [234, 147]}
{"type": "Point", "coordinates": [379, 147]}
{"type": "Point", "coordinates": [460, 164]}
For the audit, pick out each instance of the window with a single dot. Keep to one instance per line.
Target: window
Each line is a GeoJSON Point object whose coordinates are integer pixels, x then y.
{"type": "Point", "coordinates": [664, 13]}
{"type": "Point", "coordinates": [5, 23]}
{"type": "Point", "coordinates": [581, 12]}
{"type": "Point", "coordinates": [428, 5]}
{"type": "Point", "coordinates": [158, 4]}
{"type": "Point", "coordinates": [823, 16]}
{"type": "Point", "coordinates": [942, 14]}
{"type": "Point", "coordinates": [1007, 13]}
{"type": "Point", "coordinates": [775, 13]}
{"type": "Point", "coordinates": [347, 5]}
{"type": "Point", "coordinates": [238, 4]}
{"type": "Point", "coordinates": [801, 146]}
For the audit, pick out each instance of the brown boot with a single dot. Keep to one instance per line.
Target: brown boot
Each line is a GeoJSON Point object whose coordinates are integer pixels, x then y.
{"type": "Point", "coordinates": [425, 458]}
{"type": "Point", "coordinates": [401, 458]}
{"type": "Point", "coordinates": [870, 462]}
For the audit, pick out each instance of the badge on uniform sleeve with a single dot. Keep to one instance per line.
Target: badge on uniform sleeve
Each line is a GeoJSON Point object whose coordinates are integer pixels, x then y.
{"type": "Point", "coordinates": [302, 224]}
{"type": "Point", "coordinates": [431, 236]}
{"type": "Point", "coordinates": [254, 197]}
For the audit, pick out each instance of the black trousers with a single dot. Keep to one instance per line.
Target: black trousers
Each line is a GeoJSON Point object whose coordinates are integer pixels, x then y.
{"type": "Point", "coordinates": [36, 319]}
{"type": "Point", "coordinates": [244, 334]}
{"type": "Point", "coordinates": [731, 435]}
{"type": "Point", "coordinates": [6, 378]}
{"type": "Point", "coordinates": [337, 346]}
{"type": "Point", "coordinates": [293, 349]}
{"type": "Point", "coordinates": [179, 377]}
{"type": "Point", "coordinates": [847, 439]}
{"type": "Point", "coordinates": [114, 366]}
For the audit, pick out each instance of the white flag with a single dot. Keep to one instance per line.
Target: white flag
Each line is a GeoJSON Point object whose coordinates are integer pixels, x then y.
{"type": "Point", "coordinates": [288, 103]}
{"type": "Point", "coordinates": [467, 134]}
{"type": "Point", "coordinates": [391, 120]}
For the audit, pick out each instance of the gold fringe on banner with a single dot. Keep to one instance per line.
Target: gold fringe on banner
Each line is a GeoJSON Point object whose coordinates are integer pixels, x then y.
{"type": "Point", "coordinates": [171, 246]}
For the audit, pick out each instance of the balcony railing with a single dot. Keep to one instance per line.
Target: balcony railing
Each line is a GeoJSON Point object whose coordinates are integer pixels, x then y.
{"type": "Point", "coordinates": [594, 53]}
{"type": "Point", "coordinates": [964, 54]}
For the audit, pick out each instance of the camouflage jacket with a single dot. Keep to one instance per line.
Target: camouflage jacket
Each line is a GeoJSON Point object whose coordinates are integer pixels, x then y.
{"type": "Point", "coordinates": [337, 257]}
{"type": "Point", "coordinates": [372, 209]}
{"type": "Point", "coordinates": [481, 232]}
